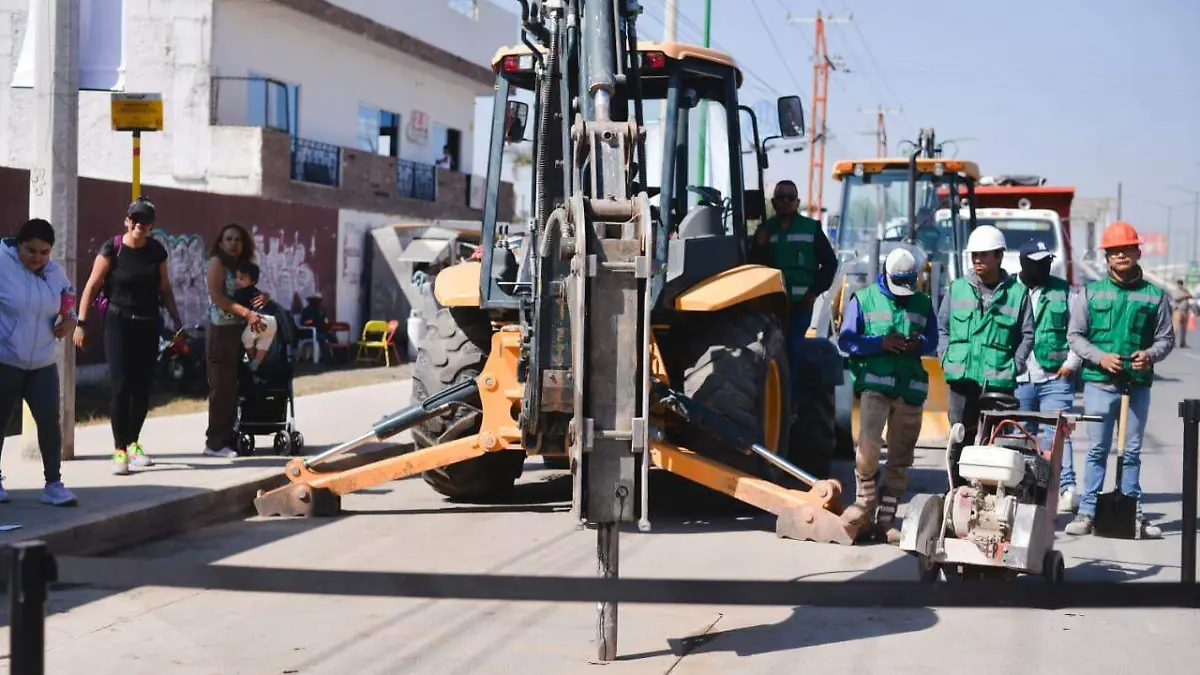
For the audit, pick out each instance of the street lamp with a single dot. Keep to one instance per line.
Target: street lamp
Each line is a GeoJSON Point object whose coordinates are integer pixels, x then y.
{"type": "Point", "coordinates": [1170, 210]}
{"type": "Point", "coordinates": [1191, 255]}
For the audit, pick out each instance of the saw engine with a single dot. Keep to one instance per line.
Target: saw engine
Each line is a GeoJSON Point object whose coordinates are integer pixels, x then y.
{"type": "Point", "coordinates": [1000, 479]}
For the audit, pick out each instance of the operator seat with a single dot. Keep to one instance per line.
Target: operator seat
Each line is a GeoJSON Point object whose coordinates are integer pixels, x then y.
{"type": "Point", "coordinates": [998, 401]}
{"type": "Point", "coordinates": [706, 219]}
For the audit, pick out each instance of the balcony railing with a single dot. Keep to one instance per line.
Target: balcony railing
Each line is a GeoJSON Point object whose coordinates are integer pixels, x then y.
{"type": "Point", "coordinates": [316, 162]}
{"type": "Point", "coordinates": [415, 180]}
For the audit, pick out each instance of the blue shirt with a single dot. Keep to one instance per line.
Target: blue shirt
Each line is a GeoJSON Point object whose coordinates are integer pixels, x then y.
{"type": "Point", "coordinates": [852, 341]}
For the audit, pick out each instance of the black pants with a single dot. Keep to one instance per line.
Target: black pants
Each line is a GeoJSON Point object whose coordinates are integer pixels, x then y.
{"type": "Point", "coordinates": [131, 347]}
{"type": "Point", "coordinates": [963, 409]}
{"type": "Point", "coordinates": [38, 388]}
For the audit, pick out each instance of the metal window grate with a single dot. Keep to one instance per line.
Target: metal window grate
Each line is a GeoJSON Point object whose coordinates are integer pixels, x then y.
{"type": "Point", "coordinates": [415, 180]}
{"type": "Point", "coordinates": [316, 162]}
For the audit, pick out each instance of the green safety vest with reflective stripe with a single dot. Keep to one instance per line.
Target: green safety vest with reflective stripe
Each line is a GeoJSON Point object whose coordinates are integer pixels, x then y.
{"type": "Point", "coordinates": [893, 375]}
{"type": "Point", "coordinates": [1121, 321]}
{"type": "Point", "coordinates": [1050, 319]}
{"type": "Point", "coordinates": [983, 342]}
{"type": "Point", "coordinates": [794, 253]}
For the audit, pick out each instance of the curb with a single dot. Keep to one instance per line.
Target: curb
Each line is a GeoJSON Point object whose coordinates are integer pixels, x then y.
{"type": "Point", "coordinates": [158, 518]}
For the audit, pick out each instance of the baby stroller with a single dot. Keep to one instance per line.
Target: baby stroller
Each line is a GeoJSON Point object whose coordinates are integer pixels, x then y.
{"type": "Point", "coordinates": [266, 399]}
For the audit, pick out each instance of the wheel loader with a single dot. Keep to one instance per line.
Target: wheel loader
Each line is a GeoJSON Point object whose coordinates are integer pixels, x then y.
{"type": "Point", "coordinates": [623, 326]}
{"type": "Point", "coordinates": [889, 203]}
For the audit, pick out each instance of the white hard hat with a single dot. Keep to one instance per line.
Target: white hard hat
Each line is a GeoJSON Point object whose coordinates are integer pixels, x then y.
{"type": "Point", "coordinates": [900, 270]}
{"type": "Point", "coordinates": [986, 238]}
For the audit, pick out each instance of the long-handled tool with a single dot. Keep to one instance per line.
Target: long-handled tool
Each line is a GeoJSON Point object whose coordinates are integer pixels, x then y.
{"type": "Point", "coordinates": [1116, 512]}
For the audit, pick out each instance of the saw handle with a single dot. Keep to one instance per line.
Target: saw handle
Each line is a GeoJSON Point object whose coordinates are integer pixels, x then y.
{"type": "Point", "coordinates": [999, 425]}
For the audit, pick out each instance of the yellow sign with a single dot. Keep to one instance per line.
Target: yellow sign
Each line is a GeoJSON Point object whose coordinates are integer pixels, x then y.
{"type": "Point", "coordinates": [137, 112]}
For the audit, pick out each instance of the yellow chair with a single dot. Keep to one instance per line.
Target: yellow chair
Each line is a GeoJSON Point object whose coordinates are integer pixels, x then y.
{"type": "Point", "coordinates": [378, 334]}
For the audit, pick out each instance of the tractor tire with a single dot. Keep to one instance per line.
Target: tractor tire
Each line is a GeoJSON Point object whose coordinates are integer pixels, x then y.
{"type": "Point", "coordinates": [454, 349]}
{"type": "Point", "coordinates": [726, 366]}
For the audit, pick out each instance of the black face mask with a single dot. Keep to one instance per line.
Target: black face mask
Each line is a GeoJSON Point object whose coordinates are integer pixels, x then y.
{"type": "Point", "coordinates": [1035, 272]}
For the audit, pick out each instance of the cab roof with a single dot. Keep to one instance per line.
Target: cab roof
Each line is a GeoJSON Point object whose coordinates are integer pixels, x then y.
{"type": "Point", "coordinates": [845, 167]}
{"type": "Point", "coordinates": [672, 50]}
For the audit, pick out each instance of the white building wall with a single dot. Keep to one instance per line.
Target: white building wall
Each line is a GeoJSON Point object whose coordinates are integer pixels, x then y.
{"type": "Point", "coordinates": [336, 72]}
{"type": "Point", "coordinates": [167, 52]}
{"type": "Point", "coordinates": [473, 39]}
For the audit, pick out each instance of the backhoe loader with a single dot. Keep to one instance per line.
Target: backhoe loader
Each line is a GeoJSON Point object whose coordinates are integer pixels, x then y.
{"type": "Point", "coordinates": [893, 202]}
{"type": "Point", "coordinates": [623, 326]}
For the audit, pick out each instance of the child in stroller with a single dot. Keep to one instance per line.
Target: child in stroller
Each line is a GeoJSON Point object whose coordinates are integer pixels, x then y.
{"type": "Point", "coordinates": [266, 400]}
{"type": "Point", "coordinates": [255, 343]}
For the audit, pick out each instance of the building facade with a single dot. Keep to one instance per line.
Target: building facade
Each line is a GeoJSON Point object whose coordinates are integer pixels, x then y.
{"type": "Point", "coordinates": [362, 107]}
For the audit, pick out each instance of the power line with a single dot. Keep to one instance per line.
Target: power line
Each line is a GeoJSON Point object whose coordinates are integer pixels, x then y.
{"type": "Point", "coordinates": [783, 58]}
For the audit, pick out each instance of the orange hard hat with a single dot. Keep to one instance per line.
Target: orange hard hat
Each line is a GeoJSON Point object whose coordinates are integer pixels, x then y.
{"type": "Point", "coordinates": [1118, 234]}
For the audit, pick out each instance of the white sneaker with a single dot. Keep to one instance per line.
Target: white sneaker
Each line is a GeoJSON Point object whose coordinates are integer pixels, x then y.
{"type": "Point", "coordinates": [1068, 500]}
{"type": "Point", "coordinates": [226, 453]}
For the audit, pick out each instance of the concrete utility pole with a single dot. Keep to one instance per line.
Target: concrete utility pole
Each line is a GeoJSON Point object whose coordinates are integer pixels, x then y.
{"type": "Point", "coordinates": [880, 132]}
{"type": "Point", "coordinates": [670, 31]}
{"type": "Point", "coordinates": [54, 176]}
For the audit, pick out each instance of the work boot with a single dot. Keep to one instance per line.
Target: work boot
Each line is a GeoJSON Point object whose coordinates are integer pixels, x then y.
{"type": "Point", "coordinates": [885, 521]}
{"type": "Point", "coordinates": [1083, 524]}
{"type": "Point", "coordinates": [1148, 530]}
{"type": "Point", "coordinates": [858, 516]}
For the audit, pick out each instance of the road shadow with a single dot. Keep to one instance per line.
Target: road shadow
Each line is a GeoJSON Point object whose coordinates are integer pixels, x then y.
{"type": "Point", "coordinates": [806, 626]}
{"type": "Point", "coordinates": [1112, 571]}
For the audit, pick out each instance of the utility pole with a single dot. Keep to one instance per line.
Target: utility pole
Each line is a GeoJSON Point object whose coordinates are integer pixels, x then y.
{"type": "Point", "coordinates": [702, 159]}
{"type": "Point", "coordinates": [1118, 201]}
{"type": "Point", "coordinates": [822, 64]}
{"type": "Point", "coordinates": [880, 132]}
{"type": "Point", "coordinates": [54, 176]}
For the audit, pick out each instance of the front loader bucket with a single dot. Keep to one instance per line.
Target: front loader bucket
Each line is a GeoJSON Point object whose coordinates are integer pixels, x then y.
{"type": "Point", "coordinates": [935, 420]}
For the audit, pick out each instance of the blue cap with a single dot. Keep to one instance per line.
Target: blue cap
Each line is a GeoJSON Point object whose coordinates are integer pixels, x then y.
{"type": "Point", "coordinates": [1036, 250]}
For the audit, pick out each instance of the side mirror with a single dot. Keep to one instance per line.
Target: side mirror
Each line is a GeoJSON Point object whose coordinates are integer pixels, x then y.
{"type": "Point", "coordinates": [755, 205]}
{"type": "Point", "coordinates": [791, 117]}
{"type": "Point", "coordinates": [515, 118]}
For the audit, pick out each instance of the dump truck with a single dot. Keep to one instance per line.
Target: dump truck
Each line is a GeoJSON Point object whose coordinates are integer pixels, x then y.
{"type": "Point", "coordinates": [625, 326]}
{"type": "Point", "coordinates": [888, 203]}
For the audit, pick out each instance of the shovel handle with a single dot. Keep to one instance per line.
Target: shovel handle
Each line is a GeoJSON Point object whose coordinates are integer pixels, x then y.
{"type": "Point", "coordinates": [1121, 423]}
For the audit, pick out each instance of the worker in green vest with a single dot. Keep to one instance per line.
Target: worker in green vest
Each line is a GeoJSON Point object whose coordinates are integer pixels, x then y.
{"type": "Point", "coordinates": [886, 328]}
{"type": "Point", "coordinates": [1048, 384]}
{"type": "Point", "coordinates": [985, 325]}
{"type": "Point", "coordinates": [796, 246]}
{"type": "Point", "coordinates": [1121, 326]}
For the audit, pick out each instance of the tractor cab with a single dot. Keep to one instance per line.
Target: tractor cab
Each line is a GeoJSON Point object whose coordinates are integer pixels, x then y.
{"type": "Point", "coordinates": [703, 185]}
{"type": "Point", "coordinates": [888, 203]}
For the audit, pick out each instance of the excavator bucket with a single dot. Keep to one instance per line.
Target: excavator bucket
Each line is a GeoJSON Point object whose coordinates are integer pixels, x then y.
{"type": "Point", "coordinates": [935, 420]}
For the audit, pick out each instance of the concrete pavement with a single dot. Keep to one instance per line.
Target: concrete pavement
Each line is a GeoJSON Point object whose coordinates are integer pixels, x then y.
{"type": "Point", "coordinates": [185, 489]}
{"type": "Point", "coordinates": [404, 526]}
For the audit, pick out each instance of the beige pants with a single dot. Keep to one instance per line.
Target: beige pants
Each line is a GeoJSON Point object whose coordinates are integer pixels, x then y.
{"type": "Point", "coordinates": [903, 421]}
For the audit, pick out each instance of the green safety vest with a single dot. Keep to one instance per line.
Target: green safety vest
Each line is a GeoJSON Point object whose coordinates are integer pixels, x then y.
{"type": "Point", "coordinates": [1050, 319]}
{"type": "Point", "coordinates": [794, 253]}
{"type": "Point", "coordinates": [893, 375]}
{"type": "Point", "coordinates": [1122, 321]}
{"type": "Point", "coordinates": [983, 342]}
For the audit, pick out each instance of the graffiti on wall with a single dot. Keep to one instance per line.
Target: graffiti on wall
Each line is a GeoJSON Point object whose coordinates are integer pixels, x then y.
{"type": "Point", "coordinates": [285, 266]}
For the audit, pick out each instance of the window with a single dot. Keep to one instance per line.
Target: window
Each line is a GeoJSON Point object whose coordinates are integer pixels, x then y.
{"type": "Point", "coordinates": [447, 144]}
{"type": "Point", "coordinates": [273, 104]}
{"type": "Point", "coordinates": [378, 131]}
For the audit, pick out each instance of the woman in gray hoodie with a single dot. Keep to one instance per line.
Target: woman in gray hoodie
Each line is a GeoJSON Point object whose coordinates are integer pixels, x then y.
{"type": "Point", "coordinates": [33, 318]}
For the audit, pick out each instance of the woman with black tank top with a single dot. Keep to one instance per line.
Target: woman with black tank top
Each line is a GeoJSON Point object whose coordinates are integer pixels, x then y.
{"type": "Point", "coordinates": [131, 269]}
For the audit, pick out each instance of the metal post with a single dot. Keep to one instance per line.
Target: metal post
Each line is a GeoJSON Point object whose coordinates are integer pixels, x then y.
{"type": "Point", "coordinates": [1189, 410]}
{"type": "Point", "coordinates": [137, 164]}
{"type": "Point", "coordinates": [608, 558]}
{"type": "Point", "coordinates": [30, 570]}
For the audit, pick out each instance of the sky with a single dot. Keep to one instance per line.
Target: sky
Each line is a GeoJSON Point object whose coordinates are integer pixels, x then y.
{"type": "Point", "coordinates": [1089, 93]}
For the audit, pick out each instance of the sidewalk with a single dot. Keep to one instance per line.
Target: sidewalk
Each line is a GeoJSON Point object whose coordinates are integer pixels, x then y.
{"type": "Point", "coordinates": [184, 489]}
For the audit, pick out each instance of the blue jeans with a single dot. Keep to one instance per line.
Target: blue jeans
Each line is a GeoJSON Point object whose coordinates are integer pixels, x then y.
{"type": "Point", "coordinates": [1057, 395]}
{"type": "Point", "coordinates": [1097, 401]}
{"type": "Point", "coordinates": [798, 322]}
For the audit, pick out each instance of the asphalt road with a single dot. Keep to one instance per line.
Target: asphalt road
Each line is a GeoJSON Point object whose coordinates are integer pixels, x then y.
{"type": "Point", "coordinates": [404, 526]}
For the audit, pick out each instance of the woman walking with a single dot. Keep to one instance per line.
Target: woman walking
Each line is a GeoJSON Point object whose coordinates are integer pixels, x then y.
{"type": "Point", "coordinates": [132, 271]}
{"type": "Point", "coordinates": [223, 334]}
{"type": "Point", "coordinates": [36, 310]}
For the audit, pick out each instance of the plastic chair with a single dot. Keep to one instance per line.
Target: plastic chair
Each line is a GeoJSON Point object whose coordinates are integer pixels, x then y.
{"type": "Point", "coordinates": [378, 334]}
